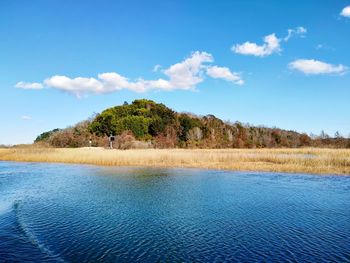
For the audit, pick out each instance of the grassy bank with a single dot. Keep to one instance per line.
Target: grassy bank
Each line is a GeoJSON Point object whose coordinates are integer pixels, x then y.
{"type": "Point", "coordinates": [306, 160]}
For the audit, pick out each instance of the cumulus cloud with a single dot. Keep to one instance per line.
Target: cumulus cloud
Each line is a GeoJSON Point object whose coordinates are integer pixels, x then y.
{"type": "Point", "coordinates": [26, 118]}
{"type": "Point", "coordinates": [184, 75]}
{"type": "Point", "coordinates": [188, 73]}
{"type": "Point", "coordinates": [345, 12]}
{"type": "Point", "coordinates": [224, 73]}
{"type": "Point", "coordinates": [28, 85]}
{"type": "Point", "coordinates": [105, 83]}
{"type": "Point", "coordinates": [271, 45]}
{"type": "Point", "coordinates": [316, 67]}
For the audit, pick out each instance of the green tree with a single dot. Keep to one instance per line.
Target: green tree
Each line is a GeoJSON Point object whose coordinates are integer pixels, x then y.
{"type": "Point", "coordinates": [45, 135]}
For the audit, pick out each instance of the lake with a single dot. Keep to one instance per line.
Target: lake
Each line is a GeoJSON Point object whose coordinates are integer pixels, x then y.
{"type": "Point", "coordinates": [82, 213]}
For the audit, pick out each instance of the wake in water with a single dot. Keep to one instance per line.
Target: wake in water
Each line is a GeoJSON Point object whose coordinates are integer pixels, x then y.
{"type": "Point", "coordinates": [18, 243]}
{"type": "Point", "coordinates": [58, 213]}
{"type": "Point", "coordinates": [31, 236]}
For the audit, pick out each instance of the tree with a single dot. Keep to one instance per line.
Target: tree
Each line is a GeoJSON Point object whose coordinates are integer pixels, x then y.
{"type": "Point", "coordinates": [186, 124]}
{"type": "Point", "coordinates": [138, 125]}
{"type": "Point", "coordinates": [324, 135]}
{"type": "Point", "coordinates": [305, 140]}
{"type": "Point", "coordinates": [45, 135]}
{"type": "Point", "coordinates": [337, 135]}
{"type": "Point", "coordinates": [157, 125]}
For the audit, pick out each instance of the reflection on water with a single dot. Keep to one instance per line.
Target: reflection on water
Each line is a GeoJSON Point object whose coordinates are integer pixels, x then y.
{"type": "Point", "coordinates": [72, 213]}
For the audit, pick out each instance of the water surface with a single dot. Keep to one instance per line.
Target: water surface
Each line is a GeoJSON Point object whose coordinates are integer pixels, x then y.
{"type": "Point", "coordinates": [73, 213]}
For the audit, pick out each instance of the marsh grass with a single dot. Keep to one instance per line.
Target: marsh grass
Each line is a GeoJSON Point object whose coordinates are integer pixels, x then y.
{"type": "Point", "coordinates": [304, 160]}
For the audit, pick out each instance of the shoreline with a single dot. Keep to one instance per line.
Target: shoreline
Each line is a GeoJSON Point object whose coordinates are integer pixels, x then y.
{"type": "Point", "coordinates": [316, 161]}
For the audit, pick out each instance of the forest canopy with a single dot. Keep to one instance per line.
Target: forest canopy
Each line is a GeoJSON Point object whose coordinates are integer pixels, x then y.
{"type": "Point", "coordinates": [145, 124]}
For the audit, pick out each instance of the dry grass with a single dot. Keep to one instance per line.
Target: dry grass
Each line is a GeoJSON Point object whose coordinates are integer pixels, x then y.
{"type": "Point", "coordinates": [305, 160]}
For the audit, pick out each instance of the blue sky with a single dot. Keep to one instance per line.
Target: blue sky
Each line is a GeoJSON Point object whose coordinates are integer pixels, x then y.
{"type": "Point", "coordinates": [273, 63]}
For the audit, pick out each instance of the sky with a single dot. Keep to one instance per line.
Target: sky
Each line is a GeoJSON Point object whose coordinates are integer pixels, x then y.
{"type": "Point", "coordinates": [274, 63]}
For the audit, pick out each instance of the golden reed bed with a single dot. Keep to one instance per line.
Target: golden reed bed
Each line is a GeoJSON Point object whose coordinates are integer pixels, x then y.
{"type": "Point", "coordinates": [305, 160]}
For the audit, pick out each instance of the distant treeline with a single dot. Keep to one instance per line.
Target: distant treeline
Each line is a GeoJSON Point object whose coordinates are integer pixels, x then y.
{"type": "Point", "coordinates": [146, 124]}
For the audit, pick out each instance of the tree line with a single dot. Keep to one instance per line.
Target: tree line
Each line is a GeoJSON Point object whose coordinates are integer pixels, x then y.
{"type": "Point", "coordinates": [145, 123]}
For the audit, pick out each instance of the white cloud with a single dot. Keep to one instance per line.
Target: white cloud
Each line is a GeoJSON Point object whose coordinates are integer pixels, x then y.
{"type": "Point", "coordinates": [105, 83]}
{"type": "Point", "coordinates": [324, 47]}
{"type": "Point", "coordinates": [188, 73]}
{"type": "Point", "coordinates": [26, 118]}
{"type": "Point", "coordinates": [156, 68]}
{"type": "Point", "coordinates": [76, 85]}
{"type": "Point", "coordinates": [184, 75]}
{"type": "Point", "coordinates": [298, 31]}
{"type": "Point", "coordinates": [224, 73]}
{"type": "Point", "coordinates": [28, 85]}
{"type": "Point", "coordinates": [271, 45]}
{"type": "Point", "coordinates": [316, 67]}
{"type": "Point", "coordinates": [346, 12]}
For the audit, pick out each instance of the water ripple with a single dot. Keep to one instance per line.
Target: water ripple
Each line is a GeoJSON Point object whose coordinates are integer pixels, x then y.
{"type": "Point", "coordinates": [88, 214]}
